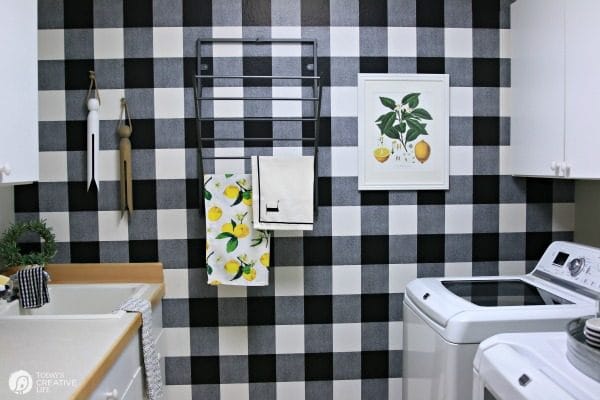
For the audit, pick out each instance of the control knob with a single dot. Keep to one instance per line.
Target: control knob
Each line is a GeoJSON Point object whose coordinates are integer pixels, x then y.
{"type": "Point", "coordinates": [576, 266]}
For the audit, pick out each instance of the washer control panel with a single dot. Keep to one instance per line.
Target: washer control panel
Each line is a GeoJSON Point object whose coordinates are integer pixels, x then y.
{"type": "Point", "coordinates": [573, 263]}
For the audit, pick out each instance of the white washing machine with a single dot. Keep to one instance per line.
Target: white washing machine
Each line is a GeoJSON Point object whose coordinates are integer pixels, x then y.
{"type": "Point", "coordinates": [445, 319]}
{"type": "Point", "coordinates": [529, 366]}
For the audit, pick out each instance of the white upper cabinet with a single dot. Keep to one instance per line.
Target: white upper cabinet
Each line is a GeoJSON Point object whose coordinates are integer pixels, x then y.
{"type": "Point", "coordinates": [582, 116]}
{"type": "Point", "coordinates": [555, 79]}
{"type": "Point", "coordinates": [19, 160]}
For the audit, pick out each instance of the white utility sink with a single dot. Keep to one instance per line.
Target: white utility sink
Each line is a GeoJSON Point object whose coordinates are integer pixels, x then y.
{"type": "Point", "coordinates": [80, 301]}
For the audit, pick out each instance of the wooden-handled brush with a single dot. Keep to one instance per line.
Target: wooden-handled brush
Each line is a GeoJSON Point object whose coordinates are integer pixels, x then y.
{"type": "Point", "coordinates": [124, 130]}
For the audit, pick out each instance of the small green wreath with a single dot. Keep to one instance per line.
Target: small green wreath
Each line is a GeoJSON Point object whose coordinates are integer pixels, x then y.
{"type": "Point", "coordinates": [10, 252]}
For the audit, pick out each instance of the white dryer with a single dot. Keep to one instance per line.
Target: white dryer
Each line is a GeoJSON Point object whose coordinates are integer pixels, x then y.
{"type": "Point", "coordinates": [445, 319]}
{"type": "Point", "coordinates": [529, 366]}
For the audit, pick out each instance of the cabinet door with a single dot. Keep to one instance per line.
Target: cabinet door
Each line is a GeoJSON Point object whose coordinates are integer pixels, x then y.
{"type": "Point", "coordinates": [583, 88]}
{"type": "Point", "coordinates": [537, 80]}
{"type": "Point", "coordinates": [119, 378]}
{"type": "Point", "coordinates": [18, 94]}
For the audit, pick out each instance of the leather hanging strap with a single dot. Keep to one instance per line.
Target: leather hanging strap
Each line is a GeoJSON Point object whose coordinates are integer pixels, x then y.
{"type": "Point", "coordinates": [93, 85]}
{"type": "Point", "coordinates": [124, 130]}
{"type": "Point", "coordinates": [125, 115]}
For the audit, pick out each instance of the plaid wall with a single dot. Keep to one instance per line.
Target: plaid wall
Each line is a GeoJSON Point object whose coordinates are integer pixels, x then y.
{"type": "Point", "coordinates": [329, 325]}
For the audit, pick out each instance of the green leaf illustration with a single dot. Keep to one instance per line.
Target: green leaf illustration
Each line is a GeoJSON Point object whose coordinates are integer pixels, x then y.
{"type": "Point", "coordinates": [207, 195]}
{"type": "Point", "coordinates": [238, 273]}
{"type": "Point", "coordinates": [209, 269]}
{"type": "Point", "coordinates": [421, 113]}
{"type": "Point", "coordinates": [414, 124]}
{"type": "Point", "coordinates": [233, 224]}
{"type": "Point", "coordinates": [238, 200]}
{"type": "Point", "coordinates": [247, 195]}
{"type": "Point", "coordinates": [402, 127]}
{"type": "Point", "coordinates": [393, 132]}
{"type": "Point", "coordinates": [412, 99]}
{"type": "Point", "coordinates": [387, 122]}
{"type": "Point", "coordinates": [228, 175]}
{"type": "Point", "coordinates": [232, 244]}
{"type": "Point", "coordinates": [225, 235]}
{"type": "Point", "coordinates": [389, 103]}
{"type": "Point", "coordinates": [411, 135]}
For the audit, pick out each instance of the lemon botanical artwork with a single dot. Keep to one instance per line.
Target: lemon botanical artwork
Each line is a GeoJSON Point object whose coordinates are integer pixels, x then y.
{"type": "Point", "coordinates": [403, 127]}
{"type": "Point", "coordinates": [236, 253]}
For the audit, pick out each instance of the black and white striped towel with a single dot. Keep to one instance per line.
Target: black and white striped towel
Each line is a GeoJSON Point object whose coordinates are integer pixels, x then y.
{"type": "Point", "coordinates": [33, 287]}
{"type": "Point", "coordinates": [151, 363]}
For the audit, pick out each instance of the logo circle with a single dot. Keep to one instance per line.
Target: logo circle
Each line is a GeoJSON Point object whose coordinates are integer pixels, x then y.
{"type": "Point", "coordinates": [20, 382]}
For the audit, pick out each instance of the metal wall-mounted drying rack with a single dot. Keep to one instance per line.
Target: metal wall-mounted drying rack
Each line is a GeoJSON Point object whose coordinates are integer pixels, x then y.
{"type": "Point", "coordinates": [202, 77]}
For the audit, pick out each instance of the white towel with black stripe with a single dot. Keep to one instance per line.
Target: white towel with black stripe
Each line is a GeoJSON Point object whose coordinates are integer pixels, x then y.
{"type": "Point", "coordinates": [283, 195]}
{"type": "Point", "coordinates": [33, 287]}
{"type": "Point", "coordinates": [154, 386]}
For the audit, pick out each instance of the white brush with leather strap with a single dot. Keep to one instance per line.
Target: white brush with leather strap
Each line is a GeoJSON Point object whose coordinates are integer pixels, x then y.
{"type": "Point", "coordinates": [93, 130]}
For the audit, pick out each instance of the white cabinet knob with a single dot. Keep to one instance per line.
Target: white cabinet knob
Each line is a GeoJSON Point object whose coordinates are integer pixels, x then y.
{"type": "Point", "coordinates": [112, 395]}
{"type": "Point", "coordinates": [5, 169]}
{"type": "Point", "coordinates": [564, 169]}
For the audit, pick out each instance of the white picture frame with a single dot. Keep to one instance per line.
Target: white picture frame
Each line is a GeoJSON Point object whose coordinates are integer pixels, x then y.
{"type": "Point", "coordinates": [391, 158]}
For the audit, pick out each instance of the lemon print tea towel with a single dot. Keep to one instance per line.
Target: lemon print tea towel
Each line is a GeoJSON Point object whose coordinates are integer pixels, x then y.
{"type": "Point", "coordinates": [236, 253]}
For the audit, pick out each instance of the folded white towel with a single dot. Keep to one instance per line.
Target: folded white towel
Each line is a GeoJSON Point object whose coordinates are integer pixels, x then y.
{"type": "Point", "coordinates": [283, 195]}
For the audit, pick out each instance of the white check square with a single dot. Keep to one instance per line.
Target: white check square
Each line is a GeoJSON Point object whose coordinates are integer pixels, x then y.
{"type": "Point", "coordinates": [108, 43]}
{"type": "Point", "coordinates": [289, 339]}
{"type": "Point", "coordinates": [403, 220]}
{"type": "Point", "coordinates": [402, 42]}
{"type": "Point", "coordinates": [345, 221]}
{"type": "Point", "coordinates": [344, 41]}
{"type": "Point", "coordinates": [458, 42]}
{"type": "Point", "coordinates": [167, 42]}
{"type": "Point", "coordinates": [233, 340]}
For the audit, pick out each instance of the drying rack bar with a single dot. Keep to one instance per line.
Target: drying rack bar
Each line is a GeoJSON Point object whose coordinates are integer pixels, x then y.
{"type": "Point", "coordinates": [272, 77]}
{"type": "Point", "coordinates": [256, 139]}
{"type": "Point", "coordinates": [226, 157]}
{"type": "Point", "coordinates": [241, 119]}
{"type": "Point", "coordinates": [257, 98]}
{"type": "Point", "coordinates": [257, 40]}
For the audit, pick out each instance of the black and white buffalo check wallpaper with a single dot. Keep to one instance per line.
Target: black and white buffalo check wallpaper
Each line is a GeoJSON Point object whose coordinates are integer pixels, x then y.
{"type": "Point", "coordinates": [329, 325]}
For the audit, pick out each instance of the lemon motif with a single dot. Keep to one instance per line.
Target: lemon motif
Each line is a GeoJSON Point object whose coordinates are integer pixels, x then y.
{"type": "Point", "coordinates": [214, 213]}
{"type": "Point", "coordinates": [264, 259]}
{"type": "Point", "coordinates": [214, 283]}
{"type": "Point", "coordinates": [250, 276]}
{"type": "Point", "coordinates": [232, 267]}
{"type": "Point", "coordinates": [231, 192]}
{"type": "Point", "coordinates": [228, 227]}
{"type": "Point", "coordinates": [241, 231]}
{"type": "Point", "coordinates": [247, 202]}
{"type": "Point", "coordinates": [422, 151]}
{"type": "Point", "coordinates": [381, 154]}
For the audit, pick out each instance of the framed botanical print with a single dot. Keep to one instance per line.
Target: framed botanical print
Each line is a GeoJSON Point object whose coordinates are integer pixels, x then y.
{"type": "Point", "coordinates": [403, 131]}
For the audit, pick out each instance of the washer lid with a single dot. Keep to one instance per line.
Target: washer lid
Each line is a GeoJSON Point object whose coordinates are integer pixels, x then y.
{"type": "Point", "coordinates": [502, 360]}
{"type": "Point", "coordinates": [435, 300]}
{"type": "Point", "coordinates": [509, 292]}
{"type": "Point", "coordinates": [507, 374]}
